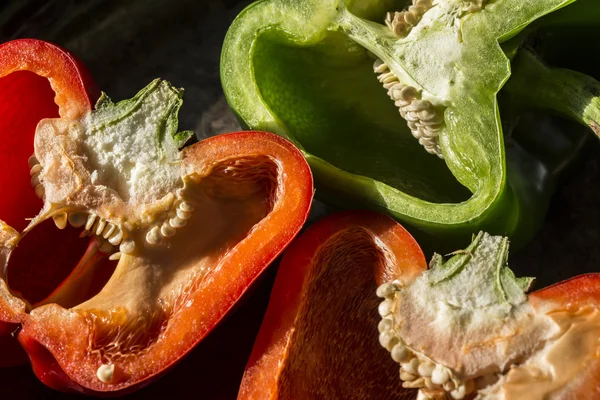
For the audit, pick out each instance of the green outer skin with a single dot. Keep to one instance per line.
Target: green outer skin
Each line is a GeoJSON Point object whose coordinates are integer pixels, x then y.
{"type": "Point", "coordinates": [472, 145]}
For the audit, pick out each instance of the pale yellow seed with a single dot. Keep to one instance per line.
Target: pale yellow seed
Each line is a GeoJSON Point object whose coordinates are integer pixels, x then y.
{"type": "Point", "coordinates": [405, 376]}
{"type": "Point", "coordinates": [184, 214]}
{"type": "Point", "coordinates": [416, 10]}
{"type": "Point", "coordinates": [167, 230]}
{"type": "Point", "coordinates": [35, 180]}
{"type": "Point", "coordinates": [385, 325]}
{"type": "Point", "coordinates": [426, 368]}
{"type": "Point", "coordinates": [400, 29]}
{"type": "Point", "coordinates": [90, 222]}
{"type": "Point", "coordinates": [459, 393]}
{"type": "Point", "coordinates": [177, 222]}
{"type": "Point", "coordinates": [77, 219]}
{"type": "Point", "coordinates": [379, 66]}
{"type": "Point", "coordinates": [40, 191]}
{"type": "Point", "coordinates": [400, 353]}
{"type": "Point", "coordinates": [116, 237]}
{"type": "Point", "coordinates": [412, 366]}
{"type": "Point", "coordinates": [153, 236]}
{"type": "Point", "coordinates": [36, 169]}
{"type": "Point", "coordinates": [428, 114]}
{"type": "Point", "coordinates": [411, 19]}
{"type": "Point", "coordinates": [32, 161]}
{"type": "Point", "coordinates": [187, 206]}
{"type": "Point", "coordinates": [387, 340]}
{"type": "Point", "coordinates": [440, 375]}
{"type": "Point", "coordinates": [420, 105]}
{"type": "Point", "coordinates": [127, 247]}
{"type": "Point", "coordinates": [409, 93]}
{"type": "Point", "coordinates": [100, 226]}
{"type": "Point", "coordinates": [385, 307]}
{"type": "Point", "coordinates": [110, 228]}
{"type": "Point", "coordinates": [60, 220]}
{"type": "Point", "coordinates": [105, 373]}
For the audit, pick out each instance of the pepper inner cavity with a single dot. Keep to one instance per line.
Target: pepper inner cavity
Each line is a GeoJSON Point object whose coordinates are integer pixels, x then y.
{"type": "Point", "coordinates": [228, 200]}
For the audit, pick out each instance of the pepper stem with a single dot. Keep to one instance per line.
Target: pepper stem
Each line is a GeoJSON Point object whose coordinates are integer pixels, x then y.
{"type": "Point", "coordinates": [482, 267]}
{"type": "Point", "coordinates": [569, 93]}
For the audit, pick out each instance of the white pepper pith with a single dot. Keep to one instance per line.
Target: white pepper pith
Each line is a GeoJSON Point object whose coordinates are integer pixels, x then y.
{"type": "Point", "coordinates": [417, 371]}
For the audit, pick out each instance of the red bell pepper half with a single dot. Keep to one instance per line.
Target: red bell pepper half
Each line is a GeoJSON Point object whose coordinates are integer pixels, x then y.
{"type": "Point", "coordinates": [460, 329]}
{"type": "Point", "coordinates": [191, 231]}
{"type": "Point", "coordinates": [318, 339]}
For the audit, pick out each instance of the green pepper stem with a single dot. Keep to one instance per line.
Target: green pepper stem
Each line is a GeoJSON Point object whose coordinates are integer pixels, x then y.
{"type": "Point", "coordinates": [482, 265]}
{"type": "Point", "coordinates": [569, 93]}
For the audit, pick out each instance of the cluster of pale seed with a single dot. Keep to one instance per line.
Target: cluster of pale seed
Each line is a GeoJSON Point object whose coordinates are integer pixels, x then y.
{"type": "Point", "coordinates": [423, 119]}
{"type": "Point", "coordinates": [401, 22]}
{"type": "Point", "coordinates": [107, 233]}
{"type": "Point", "coordinates": [34, 172]}
{"type": "Point", "coordinates": [177, 219]}
{"type": "Point", "coordinates": [96, 225]}
{"type": "Point", "coordinates": [433, 380]}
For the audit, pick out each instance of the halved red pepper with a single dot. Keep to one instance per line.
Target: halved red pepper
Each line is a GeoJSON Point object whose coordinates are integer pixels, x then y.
{"type": "Point", "coordinates": [191, 231]}
{"type": "Point", "coordinates": [318, 339]}
{"type": "Point", "coordinates": [462, 329]}
{"type": "Point", "coordinates": [37, 80]}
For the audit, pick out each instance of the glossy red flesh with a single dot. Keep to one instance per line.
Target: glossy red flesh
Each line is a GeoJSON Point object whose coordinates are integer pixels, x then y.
{"type": "Point", "coordinates": [339, 309]}
{"type": "Point", "coordinates": [37, 80]}
{"type": "Point", "coordinates": [25, 99]}
{"type": "Point", "coordinates": [273, 351]}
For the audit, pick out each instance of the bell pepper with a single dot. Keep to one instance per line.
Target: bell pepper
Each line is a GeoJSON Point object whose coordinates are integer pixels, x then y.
{"type": "Point", "coordinates": [191, 231]}
{"type": "Point", "coordinates": [305, 70]}
{"type": "Point", "coordinates": [463, 328]}
{"type": "Point", "coordinates": [318, 339]}
{"type": "Point", "coordinates": [37, 80]}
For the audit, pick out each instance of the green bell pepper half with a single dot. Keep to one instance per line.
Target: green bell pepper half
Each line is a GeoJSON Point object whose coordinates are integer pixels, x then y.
{"type": "Point", "coordinates": [303, 69]}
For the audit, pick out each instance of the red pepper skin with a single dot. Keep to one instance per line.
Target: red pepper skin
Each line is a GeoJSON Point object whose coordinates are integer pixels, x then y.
{"type": "Point", "coordinates": [59, 354]}
{"type": "Point", "coordinates": [300, 267]}
{"type": "Point", "coordinates": [37, 80]}
{"type": "Point", "coordinates": [580, 290]}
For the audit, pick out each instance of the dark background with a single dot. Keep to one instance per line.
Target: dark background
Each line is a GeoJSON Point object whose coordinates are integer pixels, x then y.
{"type": "Point", "coordinates": [126, 44]}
